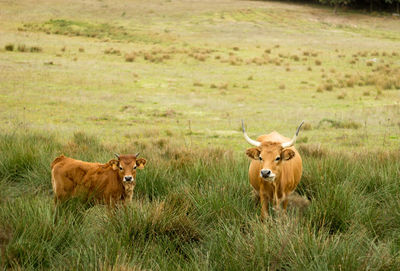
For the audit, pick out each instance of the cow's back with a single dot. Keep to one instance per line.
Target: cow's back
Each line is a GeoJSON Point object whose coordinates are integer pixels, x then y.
{"type": "Point", "coordinates": [66, 174]}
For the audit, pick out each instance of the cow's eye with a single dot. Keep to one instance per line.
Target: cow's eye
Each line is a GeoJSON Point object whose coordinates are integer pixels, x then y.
{"type": "Point", "coordinates": [277, 158]}
{"type": "Point", "coordinates": [120, 168]}
{"type": "Point", "coordinates": [260, 158]}
{"type": "Point", "coordinates": [134, 167]}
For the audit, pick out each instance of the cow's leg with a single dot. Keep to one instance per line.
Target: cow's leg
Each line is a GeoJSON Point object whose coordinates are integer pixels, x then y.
{"type": "Point", "coordinates": [264, 198]}
{"type": "Point", "coordinates": [276, 199]}
{"type": "Point", "coordinates": [285, 203]}
{"type": "Point", "coordinates": [128, 193]}
{"type": "Point", "coordinates": [264, 207]}
{"type": "Point", "coordinates": [256, 195]}
{"type": "Point", "coordinates": [111, 201]}
{"type": "Point", "coordinates": [128, 198]}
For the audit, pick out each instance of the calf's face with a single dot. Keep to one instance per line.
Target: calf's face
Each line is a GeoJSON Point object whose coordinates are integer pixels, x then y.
{"type": "Point", "coordinates": [271, 156]}
{"type": "Point", "coordinates": [127, 165]}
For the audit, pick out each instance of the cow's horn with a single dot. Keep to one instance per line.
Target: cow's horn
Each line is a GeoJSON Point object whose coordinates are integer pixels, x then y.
{"type": "Point", "coordinates": [248, 139]}
{"type": "Point", "coordinates": [116, 155]}
{"type": "Point", "coordinates": [137, 154]}
{"type": "Point", "coordinates": [291, 142]}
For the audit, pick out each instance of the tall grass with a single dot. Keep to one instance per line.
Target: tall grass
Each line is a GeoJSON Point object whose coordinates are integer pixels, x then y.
{"type": "Point", "coordinates": [193, 209]}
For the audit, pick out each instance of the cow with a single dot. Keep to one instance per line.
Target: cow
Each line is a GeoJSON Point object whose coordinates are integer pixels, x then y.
{"type": "Point", "coordinates": [275, 169]}
{"type": "Point", "coordinates": [110, 183]}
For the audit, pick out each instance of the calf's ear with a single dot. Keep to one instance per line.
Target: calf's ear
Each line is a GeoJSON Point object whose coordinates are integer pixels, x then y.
{"type": "Point", "coordinates": [140, 163]}
{"type": "Point", "coordinates": [113, 163]}
{"type": "Point", "coordinates": [253, 153]}
{"type": "Point", "coordinates": [287, 154]}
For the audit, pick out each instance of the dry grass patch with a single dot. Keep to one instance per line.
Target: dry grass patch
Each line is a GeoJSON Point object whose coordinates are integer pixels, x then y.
{"type": "Point", "coordinates": [307, 126]}
{"type": "Point", "coordinates": [295, 57]}
{"type": "Point", "coordinates": [223, 86]}
{"type": "Point", "coordinates": [341, 96]}
{"type": "Point", "coordinates": [130, 57]}
{"type": "Point", "coordinates": [112, 51]}
{"type": "Point", "coordinates": [198, 84]}
{"type": "Point", "coordinates": [312, 150]}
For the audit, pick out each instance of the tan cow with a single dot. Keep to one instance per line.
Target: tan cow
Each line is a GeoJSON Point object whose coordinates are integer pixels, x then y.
{"type": "Point", "coordinates": [110, 182]}
{"type": "Point", "coordinates": [275, 170]}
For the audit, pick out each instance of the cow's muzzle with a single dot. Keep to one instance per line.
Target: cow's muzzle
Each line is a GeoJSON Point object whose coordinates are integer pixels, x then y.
{"type": "Point", "coordinates": [267, 175]}
{"type": "Point", "coordinates": [128, 178]}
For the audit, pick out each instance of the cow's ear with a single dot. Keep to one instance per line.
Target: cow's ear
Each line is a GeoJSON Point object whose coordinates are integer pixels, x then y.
{"type": "Point", "coordinates": [113, 163]}
{"type": "Point", "coordinates": [253, 153]}
{"type": "Point", "coordinates": [140, 163]}
{"type": "Point", "coordinates": [287, 154]}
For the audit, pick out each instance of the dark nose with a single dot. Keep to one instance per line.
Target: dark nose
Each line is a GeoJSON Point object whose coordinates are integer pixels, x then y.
{"type": "Point", "coordinates": [265, 173]}
{"type": "Point", "coordinates": [128, 178]}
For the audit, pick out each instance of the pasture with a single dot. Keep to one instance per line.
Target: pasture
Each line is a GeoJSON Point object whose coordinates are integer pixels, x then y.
{"type": "Point", "coordinates": [173, 79]}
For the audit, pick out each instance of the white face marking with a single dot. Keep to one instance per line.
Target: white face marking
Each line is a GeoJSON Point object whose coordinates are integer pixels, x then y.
{"type": "Point", "coordinates": [270, 178]}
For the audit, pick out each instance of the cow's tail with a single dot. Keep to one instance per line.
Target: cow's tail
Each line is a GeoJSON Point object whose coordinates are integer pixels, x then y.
{"type": "Point", "coordinates": [57, 160]}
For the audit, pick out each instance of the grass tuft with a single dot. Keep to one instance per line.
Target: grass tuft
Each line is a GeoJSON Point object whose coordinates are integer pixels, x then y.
{"type": "Point", "coordinates": [9, 47]}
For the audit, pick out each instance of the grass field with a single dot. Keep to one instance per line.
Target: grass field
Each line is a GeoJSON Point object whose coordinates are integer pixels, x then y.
{"type": "Point", "coordinates": [173, 79]}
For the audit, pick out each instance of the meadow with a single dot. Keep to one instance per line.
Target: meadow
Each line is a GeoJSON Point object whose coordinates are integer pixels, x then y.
{"type": "Point", "coordinates": [173, 79]}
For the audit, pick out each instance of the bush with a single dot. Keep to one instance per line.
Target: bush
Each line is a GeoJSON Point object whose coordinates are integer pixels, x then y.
{"type": "Point", "coordinates": [9, 47]}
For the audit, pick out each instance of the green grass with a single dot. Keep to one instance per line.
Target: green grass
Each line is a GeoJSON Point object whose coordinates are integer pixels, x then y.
{"type": "Point", "coordinates": [193, 209]}
{"type": "Point", "coordinates": [100, 31]}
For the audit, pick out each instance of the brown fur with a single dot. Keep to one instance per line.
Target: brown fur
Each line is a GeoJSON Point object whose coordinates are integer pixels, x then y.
{"type": "Point", "coordinates": [287, 171]}
{"type": "Point", "coordinates": [101, 182]}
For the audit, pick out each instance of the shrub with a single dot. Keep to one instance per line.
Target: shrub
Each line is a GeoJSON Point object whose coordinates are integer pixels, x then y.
{"type": "Point", "coordinates": [22, 48]}
{"type": "Point", "coordinates": [349, 124]}
{"type": "Point", "coordinates": [9, 47]}
{"type": "Point", "coordinates": [35, 49]}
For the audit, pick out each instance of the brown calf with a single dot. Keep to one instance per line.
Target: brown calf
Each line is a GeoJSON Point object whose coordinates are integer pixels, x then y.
{"type": "Point", "coordinates": [101, 182]}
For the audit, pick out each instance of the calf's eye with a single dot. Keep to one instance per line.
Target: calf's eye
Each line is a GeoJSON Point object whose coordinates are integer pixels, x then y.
{"type": "Point", "coordinates": [120, 168]}
{"type": "Point", "coordinates": [260, 158]}
{"type": "Point", "coordinates": [277, 158]}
